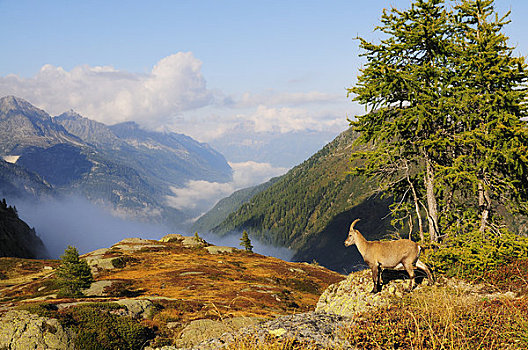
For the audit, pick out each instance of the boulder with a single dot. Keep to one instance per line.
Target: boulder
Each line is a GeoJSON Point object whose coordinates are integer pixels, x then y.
{"type": "Point", "coordinates": [186, 241]}
{"type": "Point", "coordinates": [320, 330]}
{"type": "Point", "coordinates": [21, 330]}
{"type": "Point", "coordinates": [352, 295]}
{"type": "Point", "coordinates": [213, 249]}
{"type": "Point", "coordinates": [97, 289]}
{"type": "Point", "coordinates": [199, 330]}
{"type": "Point", "coordinates": [137, 308]}
{"type": "Point", "coordinates": [135, 244]}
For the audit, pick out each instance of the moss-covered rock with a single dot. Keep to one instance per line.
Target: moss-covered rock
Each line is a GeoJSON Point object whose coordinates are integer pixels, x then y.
{"type": "Point", "coordinates": [22, 330]}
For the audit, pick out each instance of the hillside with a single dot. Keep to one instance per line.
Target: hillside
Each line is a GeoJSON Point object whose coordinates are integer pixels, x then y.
{"type": "Point", "coordinates": [228, 205]}
{"type": "Point", "coordinates": [170, 158]}
{"type": "Point", "coordinates": [310, 208]}
{"type": "Point", "coordinates": [180, 292]}
{"type": "Point", "coordinates": [17, 239]}
{"type": "Point", "coordinates": [171, 286]}
{"type": "Point", "coordinates": [17, 182]}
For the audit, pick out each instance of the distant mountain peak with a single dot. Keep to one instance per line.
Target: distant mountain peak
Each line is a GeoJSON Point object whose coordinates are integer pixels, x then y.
{"type": "Point", "coordinates": [70, 115]}
{"type": "Point", "coordinates": [11, 103]}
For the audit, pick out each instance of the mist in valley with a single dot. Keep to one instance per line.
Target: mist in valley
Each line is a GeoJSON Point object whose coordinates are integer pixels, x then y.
{"type": "Point", "coordinates": [77, 222]}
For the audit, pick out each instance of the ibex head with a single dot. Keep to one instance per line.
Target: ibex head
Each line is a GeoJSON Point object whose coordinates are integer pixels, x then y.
{"type": "Point", "coordinates": [351, 235]}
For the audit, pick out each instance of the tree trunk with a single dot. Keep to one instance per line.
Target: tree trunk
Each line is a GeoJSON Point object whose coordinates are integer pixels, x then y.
{"type": "Point", "coordinates": [416, 207]}
{"type": "Point", "coordinates": [484, 205]}
{"type": "Point", "coordinates": [432, 207]}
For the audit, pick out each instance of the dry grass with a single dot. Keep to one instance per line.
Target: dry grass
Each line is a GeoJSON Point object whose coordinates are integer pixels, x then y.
{"type": "Point", "coordinates": [443, 318]}
{"type": "Point", "coordinates": [239, 283]}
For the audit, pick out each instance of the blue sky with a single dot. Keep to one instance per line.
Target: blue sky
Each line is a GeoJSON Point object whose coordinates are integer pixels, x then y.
{"type": "Point", "coordinates": [244, 45]}
{"type": "Point", "coordinates": [252, 78]}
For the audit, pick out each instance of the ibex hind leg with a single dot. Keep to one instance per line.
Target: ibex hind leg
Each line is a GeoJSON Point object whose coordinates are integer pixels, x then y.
{"type": "Point", "coordinates": [423, 267]}
{"type": "Point", "coordinates": [410, 270]}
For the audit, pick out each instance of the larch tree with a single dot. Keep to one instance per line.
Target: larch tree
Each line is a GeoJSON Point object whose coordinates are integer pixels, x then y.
{"type": "Point", "coordinates": [489, 165]}
{"type": "Point", "coordinates": [403, 88]}
{"type": "Point", "coordinates": [246, 242]}
{"type": "Point", "coordinates": [444, 129]}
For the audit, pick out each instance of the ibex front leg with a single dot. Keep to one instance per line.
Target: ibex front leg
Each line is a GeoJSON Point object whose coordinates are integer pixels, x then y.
{"type": "Point", "coordinates": [376, 278]}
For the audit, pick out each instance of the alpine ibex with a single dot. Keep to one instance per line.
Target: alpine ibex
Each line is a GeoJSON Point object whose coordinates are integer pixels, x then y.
{"type": "Point", "coordinates": [398, 255]}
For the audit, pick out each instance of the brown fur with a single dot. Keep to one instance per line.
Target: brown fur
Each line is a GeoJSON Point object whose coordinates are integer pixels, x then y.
{"type": "Point", "coordinates": [379, 255]}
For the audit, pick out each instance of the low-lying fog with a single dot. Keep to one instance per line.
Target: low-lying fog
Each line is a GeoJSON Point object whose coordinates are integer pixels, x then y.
{"type": "Point", "coordinates": [76, 221]}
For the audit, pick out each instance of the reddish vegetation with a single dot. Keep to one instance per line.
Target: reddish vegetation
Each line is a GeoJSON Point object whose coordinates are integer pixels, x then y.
{"type": "Point", "coordinates": [238, 283]}
{"type": "Point", "coordinates": [190, 282]}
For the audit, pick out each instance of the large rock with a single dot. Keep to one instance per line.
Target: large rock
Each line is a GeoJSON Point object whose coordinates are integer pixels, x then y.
{"type": "Point", "coordinates": [200, 330]}
{"type": "Point", "coordinates": [186, 241]}
{"type": "Point", "coordinates": [352, 295]}
{"type": "Point", "coordinates": [320, 330]}
{"type": "Point", "coordinates": [20, 330]}
{"type": "Point", "coordinates": [137, 308]}
{"type": "Point", "coordinates": [97, 289]}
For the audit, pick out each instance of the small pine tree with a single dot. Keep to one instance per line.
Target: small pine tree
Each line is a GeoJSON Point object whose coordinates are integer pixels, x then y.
{"type": "Point", "coordinates": [198, 238]}
{"type": "Point", "coordinates": [73, 274]}
{"type": "Point", "coordinates": [246, 242]}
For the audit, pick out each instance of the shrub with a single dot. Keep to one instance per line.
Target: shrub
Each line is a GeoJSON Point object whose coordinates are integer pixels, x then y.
{"type": "Point", "coordinates": [98, 329]}
{"type": "Point", "coordinates": [122, 261]}
{"type": "Point", "coordinates": [73, 274]}
{"type": "Point", "coordinates": [472, 255]}
{"type": "Point", "coordinates": [95, 327]}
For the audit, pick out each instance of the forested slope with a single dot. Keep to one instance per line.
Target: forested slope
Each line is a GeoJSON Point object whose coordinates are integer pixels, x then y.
{"type": "Point", "coordinates": [309, 209]}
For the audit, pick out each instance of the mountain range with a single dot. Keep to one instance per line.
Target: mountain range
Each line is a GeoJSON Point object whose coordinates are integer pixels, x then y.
{"type": "Point", "coordinates": [131, 171]}
{"type": "Point", "coordinates": [122, 167]}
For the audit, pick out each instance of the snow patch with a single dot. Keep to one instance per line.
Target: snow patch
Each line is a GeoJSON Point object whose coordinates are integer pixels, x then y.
{"type": "Point", "coordinates": [11, 159]}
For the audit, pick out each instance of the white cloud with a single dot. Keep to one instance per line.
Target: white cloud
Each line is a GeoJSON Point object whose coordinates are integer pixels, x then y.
{"type": "Point", "coordinates": [274, 98]}
{"type": "Point", "coordinates": [175, 84]}
{"type": "Point", "coordinates": [286, 119]}
{"type": "Point", "coordinates": [246, 174]}
{"type": "Point", "coordinates": [174, 96]}
{"type": "Point", "coordinates": [198, 194]}
{"type": "Point", "coordinates": [202, 195]}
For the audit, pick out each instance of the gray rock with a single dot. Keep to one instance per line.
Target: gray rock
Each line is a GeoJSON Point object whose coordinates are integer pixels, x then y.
{"type": "Point", "coordinates": [213, 249]}
{"type": "Point", "coordinates": [135, 244]}
{"type": "Point", "coordinates": [137, 308]}
{"type": "Point", "coordinates": [97, 288]}
{"type": "Point", "coordinates": [20, 330]}
{"type": "Point", "coordinates": [186, 241]}
{"type": "Point", "coordinates": [352, 295]}
{"type": "Point", "coordinates": [319, 329]}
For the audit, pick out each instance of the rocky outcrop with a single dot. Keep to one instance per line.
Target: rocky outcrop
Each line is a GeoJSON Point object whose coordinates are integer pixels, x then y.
{"type": "Point", "coordinates": [186, 241]}
{"type": "Point", "coordinates": [352, 295]}
{"type": "Point", "coordinates": [20, 330]}
{"type": "Point", "coordinates": [201, 330]}
{"type": "Point", "coordinates": [338, 306]}
{"type": "Point", "coordinates": [319, 329]}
